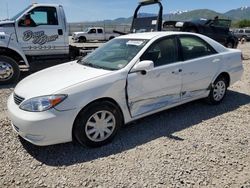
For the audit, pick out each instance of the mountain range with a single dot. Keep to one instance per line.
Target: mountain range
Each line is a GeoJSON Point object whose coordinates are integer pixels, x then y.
{"type": "Point", "coordinates": [235, 15]}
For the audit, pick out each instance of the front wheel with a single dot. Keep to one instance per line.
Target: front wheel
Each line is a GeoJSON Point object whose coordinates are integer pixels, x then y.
{"type": "Point", "coordinates": [218, 91]}
{"type": "Point", "coordinates": [9, 70]}
{"type": "Point", "coordinates": [82, 39]}
{"type": "Point", "coordinates": [97, 124]}
{"type": "Point", "coordinates": [230, 44]}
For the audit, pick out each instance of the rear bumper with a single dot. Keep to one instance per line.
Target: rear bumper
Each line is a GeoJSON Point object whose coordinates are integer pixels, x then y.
{"type": "Point", "coordinates": [236, 74]}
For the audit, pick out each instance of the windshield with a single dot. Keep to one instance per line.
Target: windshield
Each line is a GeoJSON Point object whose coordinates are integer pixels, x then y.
{"type": "Point", "coordinates": [20, 13]}
{"type": "Point", "coordinates": [86, 30]}
{"type": "Point", "coordinates": [201, 21]}
{"type": "Point", "coordinates": [115, 54]}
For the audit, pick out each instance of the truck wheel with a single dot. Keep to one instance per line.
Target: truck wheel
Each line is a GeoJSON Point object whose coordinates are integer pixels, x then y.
{"type": "Point", "coordinates": [191, 30]}
{"type": "Point", "coordinates": [97, 124]}
{"type": "Point", "coordinates": [230, 44]}
{"type": "Point", "coordinates": [9, 70]}
{"type": "Point", "coordinates": [82, 39]}
{"type": "Point", "coordinates": [244, 38]}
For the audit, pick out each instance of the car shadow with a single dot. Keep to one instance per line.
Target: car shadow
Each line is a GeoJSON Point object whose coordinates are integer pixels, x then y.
{"type": "Point", "coordinates": [163, 124]}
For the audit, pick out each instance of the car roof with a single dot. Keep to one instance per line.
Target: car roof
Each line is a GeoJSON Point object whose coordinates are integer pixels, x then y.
{"type": "Point", "coordinates": [157, 35]}
{"type": "Point", "coordinates": [150, 35]}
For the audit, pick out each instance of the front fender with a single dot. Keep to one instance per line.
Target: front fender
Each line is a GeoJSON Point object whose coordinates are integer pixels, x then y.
{"type": "Point", "coordinates": [9, 42]}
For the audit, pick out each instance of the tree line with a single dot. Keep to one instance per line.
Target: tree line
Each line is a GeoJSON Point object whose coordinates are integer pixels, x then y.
{"type": "Point", "coordinates": [241, 24]}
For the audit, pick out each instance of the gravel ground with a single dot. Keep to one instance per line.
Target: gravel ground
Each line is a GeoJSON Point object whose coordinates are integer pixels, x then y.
{"type": "Point", "coordinates": [194, 145]}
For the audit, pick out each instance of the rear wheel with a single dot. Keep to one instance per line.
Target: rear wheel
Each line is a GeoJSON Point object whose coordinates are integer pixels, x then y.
{"type": "Point", "coordinates": [97, 124]}
{"type": "Point", "coordinates": [9, 70]}
{"type": "Point", "coordinates": [218, 91]}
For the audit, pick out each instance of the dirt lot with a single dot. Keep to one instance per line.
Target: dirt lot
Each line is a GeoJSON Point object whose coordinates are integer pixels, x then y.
{"type": "Point", "coordinates": [194, 145]}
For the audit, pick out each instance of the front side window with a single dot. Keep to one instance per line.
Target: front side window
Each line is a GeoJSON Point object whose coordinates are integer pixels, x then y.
{"type": "Point", "coordinates": [194, 47]}
{"type": "Point", "coordinates": [92, 31]}
{"type": "Point", "coordinates": [115, 54]}
{"type": "Point", "coordinates": [40, 16]}
{"type": "Point", "coordinates": [162, 52]}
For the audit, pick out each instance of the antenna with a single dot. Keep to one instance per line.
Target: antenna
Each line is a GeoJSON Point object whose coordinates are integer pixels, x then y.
{"type": "Point", "coordinates": [7, 9]}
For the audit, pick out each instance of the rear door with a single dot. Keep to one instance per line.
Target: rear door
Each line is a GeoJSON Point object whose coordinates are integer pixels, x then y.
{"type": "Point", "coordinates": [100, 34]}
{"type": "Point", "coordinates": [200, 64]}
{"type": "Point", "coordinates": [159, 87]}
{"type": "Point", "coordinates": [40, 32]}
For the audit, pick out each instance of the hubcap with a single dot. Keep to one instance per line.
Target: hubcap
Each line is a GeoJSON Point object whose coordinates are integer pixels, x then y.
{"type": "Point", "coordinates": [100, 126]}
{"type": "Point", "coordinates": [6, 71]}
{"type": "Point", "coordinates": [219, 90]}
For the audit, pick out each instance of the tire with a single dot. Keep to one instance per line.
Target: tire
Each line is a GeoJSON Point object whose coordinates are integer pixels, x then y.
{"type": "Point", "coordinates": [82, 39]}
{"type": "Point", "coordinates": [9, 70]}
{"type": "Point", "coordinates": [191, 30]}
{"type": "Point", "coordinates": [244, 38]}
{"type": "Point", "coordinates": [218, 91]}
{"type": "Point", "coordinates": [230, 44]}
{"type": "Point", "coordinates": [97, 124]}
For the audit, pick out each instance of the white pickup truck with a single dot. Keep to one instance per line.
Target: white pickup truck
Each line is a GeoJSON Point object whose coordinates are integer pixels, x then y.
{"type": "Point", "coordinates": [38, 35]}
{"type": "Point", "coordinates": [93, 33]}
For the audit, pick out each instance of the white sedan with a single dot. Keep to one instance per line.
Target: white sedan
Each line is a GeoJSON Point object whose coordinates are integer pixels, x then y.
{"type": "Point", "coordinates": [128, 78]}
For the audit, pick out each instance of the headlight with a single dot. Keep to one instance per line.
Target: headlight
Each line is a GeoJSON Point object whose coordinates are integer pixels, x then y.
{"type": "Point", "coordinates": [42, 103]}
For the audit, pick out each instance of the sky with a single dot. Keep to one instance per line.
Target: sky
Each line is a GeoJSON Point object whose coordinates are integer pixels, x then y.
{"type": "Point", "coordinates": [97, 10]}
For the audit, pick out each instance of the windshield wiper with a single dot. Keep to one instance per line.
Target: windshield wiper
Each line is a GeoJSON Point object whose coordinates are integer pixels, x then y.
{"type": "Point", "coordinates": [95, 66]}
{"type": "Point", "coordinates": [92, 65]}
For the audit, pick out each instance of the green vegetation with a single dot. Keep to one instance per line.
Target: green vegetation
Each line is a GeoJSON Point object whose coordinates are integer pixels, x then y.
{"type": "Point", "coordinates": [241, 24]}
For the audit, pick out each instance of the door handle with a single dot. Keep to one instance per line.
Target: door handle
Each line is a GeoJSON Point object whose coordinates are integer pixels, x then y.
{"type": "Point", "coordinates": [60, 32]}
{"type": "Point", "coordinates": [216, 60]}
{"type": "Point", "coordinates": [177, 71]}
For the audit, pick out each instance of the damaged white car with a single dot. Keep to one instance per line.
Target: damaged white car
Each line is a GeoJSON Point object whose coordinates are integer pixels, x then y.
{"type": "Point", "coordinates": [128, 78]}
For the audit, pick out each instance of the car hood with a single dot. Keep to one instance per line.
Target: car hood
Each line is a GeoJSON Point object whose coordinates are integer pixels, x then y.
{"type": "Point", "coordinates": [78, 33]}
{"type": "Point", "coordinates": [51, 80]}
{"type": "Point", "coordinates": [7, 22]}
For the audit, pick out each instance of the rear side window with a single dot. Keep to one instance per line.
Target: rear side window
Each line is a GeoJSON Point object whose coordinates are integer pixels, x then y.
{"type": "Point", "coordinates": [247, 31]}
{"type": "Point", "coordinates": [194, 47]}
{"type": "Point", "coordinates": [99, 30]}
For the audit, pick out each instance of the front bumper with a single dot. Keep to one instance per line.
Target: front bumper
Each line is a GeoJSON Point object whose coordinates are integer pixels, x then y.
{"type": "Point", "coordinates": [75, 39]}
{"type": "Point", "coordinates": [42, 128]}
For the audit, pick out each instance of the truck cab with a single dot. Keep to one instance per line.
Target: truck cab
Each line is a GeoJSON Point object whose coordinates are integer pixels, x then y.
{"type": "Point", "coordinates": [39, 32]}
{"type": "Point", "coordinates": [92, 33]}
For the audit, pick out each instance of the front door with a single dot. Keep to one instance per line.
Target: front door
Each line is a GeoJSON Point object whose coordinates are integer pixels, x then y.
{"type": "Point", "coordinates": [40, 32]}
{"type": "Point", "coordinates": [159, 87]}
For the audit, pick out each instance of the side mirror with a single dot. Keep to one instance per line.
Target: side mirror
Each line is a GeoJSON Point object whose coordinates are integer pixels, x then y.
{"type": "Point", "coordinates": [143, 67]}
